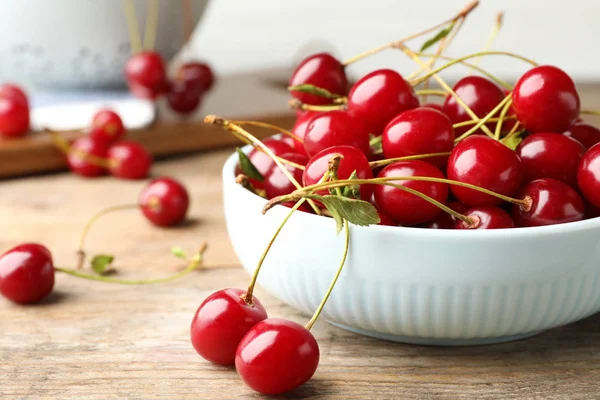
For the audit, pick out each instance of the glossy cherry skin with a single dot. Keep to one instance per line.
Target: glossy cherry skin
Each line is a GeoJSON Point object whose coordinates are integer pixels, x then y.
{"type": "Point", "coordinates": [221, 322]}
{"type": "Point", "coordinates": [353, 160]}
{"type": "Point", "coordinates": [550, 155]}
{"type": "Point", "coordinates": [545, 100]}
{"type": "Point", "coordinates": [480, 94]}
{"type": "Point", "coordinates": [321, 70]}
{"type": "Point", "coordinates": [277, 356]}
{"type": "Point", "coordinates": [87, 146]}
{"type": "Point", "coordinates": [299, 129]}
{"type": "Point", "coordinates": [487, 217]}
{"type": "Point", "coordinates": [335, 128]}
{"type": "Point", "coordinates": [487, 163]}
{"type": "Point", "coordinates": [384, 219]}
{"type": "Point", "coordinates": [586, 134]}
{"type": "Point", "coordinates": [197, 75]}
{"type": "Point", "coordinates": [107, 126]}
{"type": "Point", "coordinates": [552, 202]}
{"type": "Point", "coordinates": [277, 183]}
{"type": "Point", "coordinates": [14, 92]}
{"type": "Point", "coordinates": [131, 160]}
{"type": "Point", "coordinates": [588, 175]}
{"type": "Point", "coordinates": [146, 75]}
{"type": "Point", "coordinates": [164, 201]}
{"type": "Point", "coordinates": [262, 161]}
{"type": "Point", "coordinates": [406, 208]}
{"type": "Point", "coordinates": [379, 96]}
{"type": "Point", "coordinates": [445, 220]}
{"type": "Point", "coordinates": [14, 117]}
{"type": "Point", "coordinates": [183, 97]}
{"type": "Point", "coordinates": [419, 131]}
{"type": "Point", "coordinates": [26, 273]}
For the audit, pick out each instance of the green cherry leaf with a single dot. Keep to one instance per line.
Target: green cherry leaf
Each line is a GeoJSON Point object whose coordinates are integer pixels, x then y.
{"type": "Point", "coordinates": [247, 167]}
{"type": "Point", "coordinates": [101, 264]}
{"type": "Point", "coordinates": [357, 212]}
{"type": "Point", "coordinates": [178, 252]}
{"type": "Point", "coordinates": [312, 89]}
{"type": "Point", "coordinates": [439, 36]}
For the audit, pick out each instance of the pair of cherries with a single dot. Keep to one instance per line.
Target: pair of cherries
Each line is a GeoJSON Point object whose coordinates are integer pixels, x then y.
{"type": "Point", "coordinates": [147, 78]}
{"type": "Point", "coordinates": [27, 271]}
{"type": "Point", "coordinates": [102, 150]}
{"type": "Point", "coordinates": [14, 111]}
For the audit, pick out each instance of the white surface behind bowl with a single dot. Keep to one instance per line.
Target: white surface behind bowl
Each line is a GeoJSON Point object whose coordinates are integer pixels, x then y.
{"type": "Point", "coordinates": [84, 44]}
{"type": "Point", "coordinates": [423, 286]}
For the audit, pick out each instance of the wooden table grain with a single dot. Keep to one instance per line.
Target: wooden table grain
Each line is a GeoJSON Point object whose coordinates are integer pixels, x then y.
{"type": "Point", "coordinates": [99, 341]}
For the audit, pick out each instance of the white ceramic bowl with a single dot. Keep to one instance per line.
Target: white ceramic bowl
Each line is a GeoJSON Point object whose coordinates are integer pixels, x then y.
{"type": "Point", "coordinates": [425, 286]}
{"type": "Point", "coordinates": [80, 44]}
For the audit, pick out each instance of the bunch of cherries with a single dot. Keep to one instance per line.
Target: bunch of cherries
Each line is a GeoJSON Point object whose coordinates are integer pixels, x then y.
{"type": "Point", "coordinates": [14, 111]}
{"type": "Point", "coordinates": [146, 76]}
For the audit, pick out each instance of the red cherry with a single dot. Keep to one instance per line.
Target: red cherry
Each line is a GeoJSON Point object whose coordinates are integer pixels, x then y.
{"type": "Point", "coordinates": [299, 129]}
{"type": "Point", "coordinates": [14, 117]}
{"type": "Point", "coordinates": [12, 91]}
{"type": "Point", "coordinates": [131, 160]}
{"type": "Point", "coordinates": [277, 183]}
{"type": "Point", "coordinates": [552, 202]}
{"type": "Point", "coordinates": [480, 94]}
{"type": "Point", "coordinates": [487, 217]}
{"type": "Point", "coordinates": [406, 208]}
{"type": "Point", "coordinates": [321, 70]}
{"type": "Point", "coordinates": [591, 211]}
{"type": "Point", "coordinates": [183, 97]}
{"type": "Point", "coordinates": [353, 160]}
{"type": "Point", "coordinates": [379, 96]}
{"type": "Point", "coordinates": [384, 219]}
{"type": "Point", "coordinates": [445, 220]}
{"type": "Point", "coordinates": [487, 163]}
{"type": "Point", "coordinates": [335, 128]}
{"type": "Point", "coordinates": [26, 273]}
{"type": "Point", "coordinates": [545, 100]}
{"type": "Point", "coordinates": [164, 201]}
{"type": "Point", "coordinates": [145, 74]}
{"type": "Point", "coordinates": [196, 74]}
{"type": "Point", "coordinates": [587, 134]}
{"type": "Point", "coordinates": [262, 161]}
{"type": "Point", "coordinates": [276, 356]}
{"type": "Point", "coordinates": [221, 322]}
{"type": "Point", "coordinates": [550, 155]}
{"type": "Point", "coordinates": [107, 126]}
{"type": "Point", "coordinates": [588, 175]}
{"type": "Point", "coordinates": [419, 131]}
{"type": "Point", "coordinates": [82, 166]}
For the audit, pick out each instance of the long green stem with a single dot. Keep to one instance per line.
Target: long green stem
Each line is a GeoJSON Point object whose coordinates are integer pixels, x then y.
{"type": "Point", "coordinates": [387, 161]}
{"type": "Point", "coordinates": [471, 122]}
{"type": "Point", "coordinates": [590, 112]}
{"type": "Point", "coordinates": [493, 35]}
{"type": "Point", "coordinates": [268, 126]}
{"type": "Point", "coordinates": [482, 121]}
{"type": "Point", "coordinates": [505, 109]}
{"type": "Point", "coordinates": [432, 92]}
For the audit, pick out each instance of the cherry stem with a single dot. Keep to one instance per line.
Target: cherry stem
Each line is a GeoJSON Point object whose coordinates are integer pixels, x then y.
{"type": "Point", "coordinates": [319, 309]}
{"type": "Point", "coordinates": [91, 222]}
{"type": "Point", "coordinates": [244, 181]}
{"type": "Point", "coordinates": [247, 297]}
{"type": "Point", "coordinates": [268, 126]}
{"type": "Point", "coordinates": [513, 131]}
{"type": "Point", "coordinates": [240, 132]}
{"type": "Point", "coordinates": [66, 149]}
{"type": "Point", "coordinates": [151, 25]}
{"type": "Point", "coordinates": [590, 112]}
{"type": "Point", "coordinates": [296, 104]}
{"type": "Point", "coordinates": [194, 263]}
{"type": "Point", "coordinates": [432, 92]}
{"type": "Point", "coordinates": [135, 42]}
{"type": "Point", "coordinates": [471, 122]}
{"type": "Point", "coordinates": [502, 116]}
{"type": "Point", "coordinates": [493, 35]}
{"type": "Point", "coordinates": [482, 121]}
{"type": "Point", "coordinates": [463, 13]}
{"type": "Point", "coordinates": [387, 161]}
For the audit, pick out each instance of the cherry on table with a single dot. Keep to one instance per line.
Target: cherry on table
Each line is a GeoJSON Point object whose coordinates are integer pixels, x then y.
{"type": "Point", "coordinates": [129, 160]}
{"type": "Point", "coordinates": [480, 94]}
{"type": "Point", "coordinates": [587, 134]}
{"type": "Point", "coordinates": [183, 97]}
{"type": "Point", "coordinates": [10, 90]}
{"type": "Point", "coordinates": [335, 128]}
{"type": "Point", "coordinates": [79, 159]}
{"type": "Point", "coordinates": [14, 117]}
{"type": "Point", "coordinates": [487, 163]}
{"type": "Point", "coordinates": [419, 131]}
{"type": "Point", "coordinates": [146, 75]}
{"type": "Point", "coordinates": [26, 273]}
{"type": "Point", "coordinates": [164, 201]}
{"type": "Point", "coordinates": [352, 160]}
{"type": "Point", "coordinates": [588, 175]}
{"type": "Point", "coordinates": [551, 202]}
{"type": "Point", "coordinates": [486, 217]}
{"type": "Point", "coordinates": [221, 322]}
{"type": "Point", "coordinates": [107, 125]}
{"type": "Point", "coordinates": [406, 208]}
{"type": "Point", "coordinates": [262, 161]}
{"type": "Point", "coordinates": [545, 100]}
{"type": "Point", "coordinates": [197, 75]}
{"type": "Point", "coordinates": [277, 356]}
{"type": "Point", "coordinates": [277, 183]}
{"type": "Point", "coordinates": [321, 70]}
{"type": "Point", "coordinates": [378, 97]}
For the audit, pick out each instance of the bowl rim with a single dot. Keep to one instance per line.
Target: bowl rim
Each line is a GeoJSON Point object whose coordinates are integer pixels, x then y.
{"type": "Point", "coordinates": [228, 172]}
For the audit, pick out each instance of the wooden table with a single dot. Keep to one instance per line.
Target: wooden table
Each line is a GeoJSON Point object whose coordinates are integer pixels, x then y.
{"type": "Point", "coordinates": [100, 341]}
